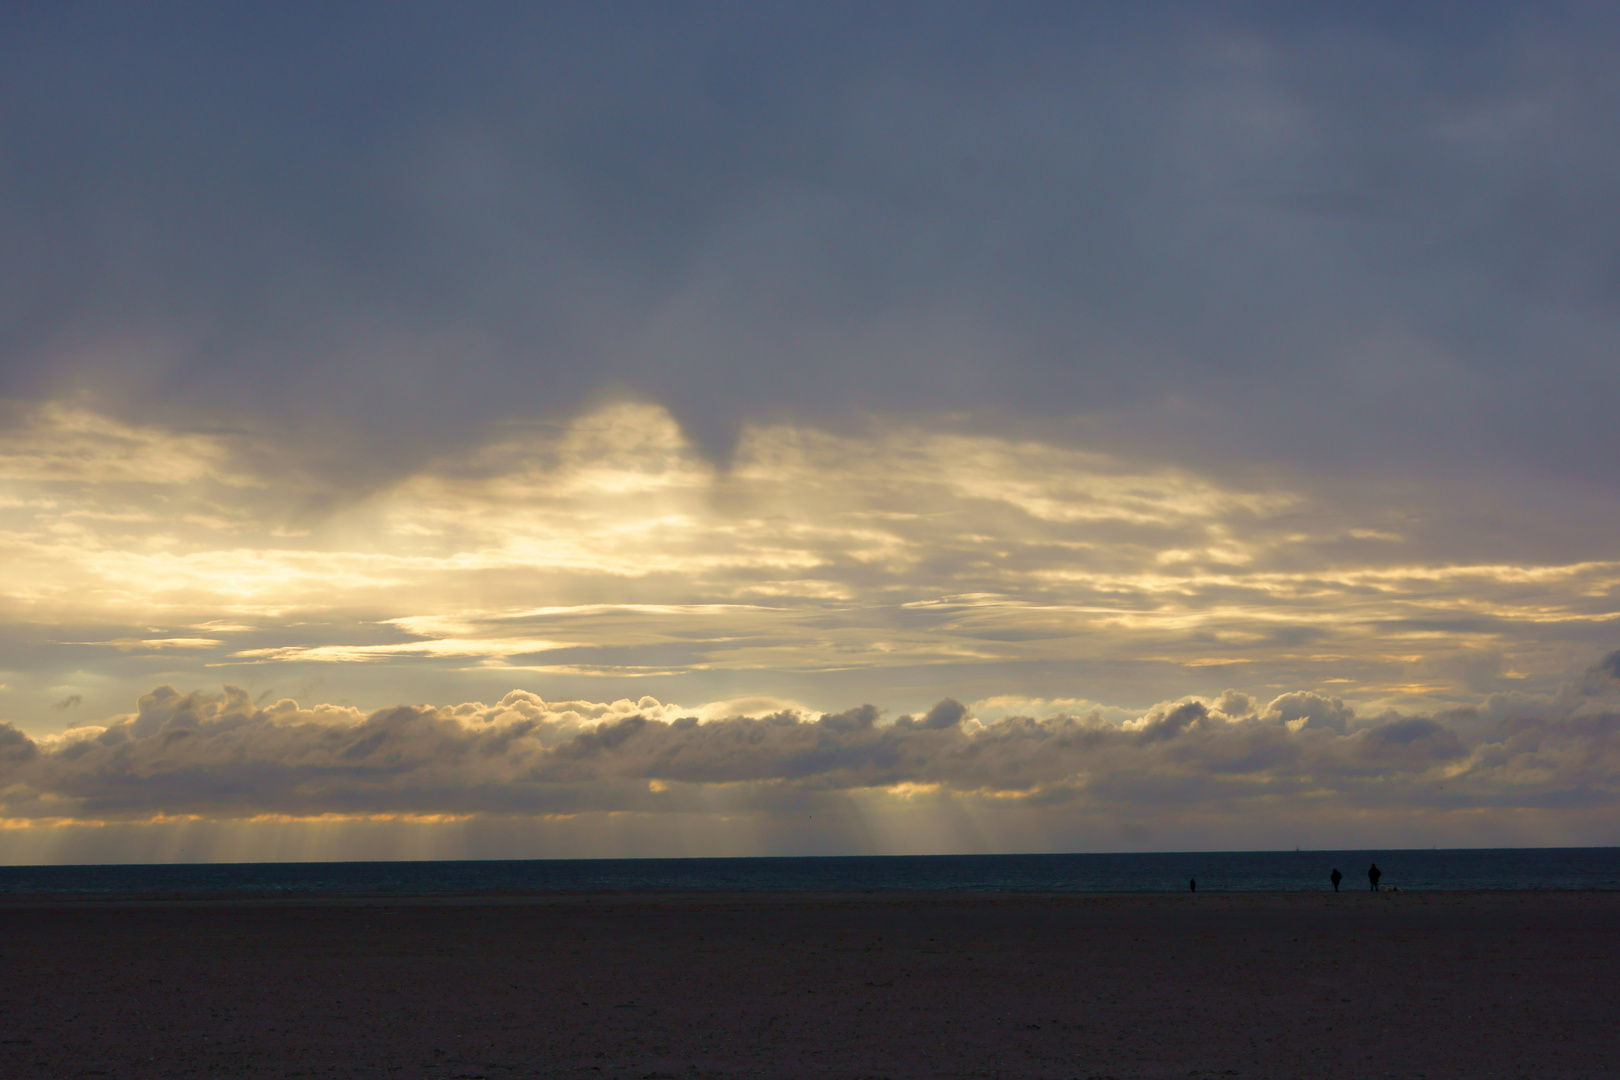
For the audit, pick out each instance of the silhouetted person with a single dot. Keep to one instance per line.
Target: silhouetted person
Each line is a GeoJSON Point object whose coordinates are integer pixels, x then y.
{"type": "Point", "coordinates": [1373, 874]}
{"type": "Point", "coordinates": [1335, 877]}
{"type": "Point", "coordinates": [1192, 884]}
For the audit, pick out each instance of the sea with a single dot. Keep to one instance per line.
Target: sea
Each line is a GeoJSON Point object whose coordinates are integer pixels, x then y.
{"type": "Point", "coordinates": [1214, 871]}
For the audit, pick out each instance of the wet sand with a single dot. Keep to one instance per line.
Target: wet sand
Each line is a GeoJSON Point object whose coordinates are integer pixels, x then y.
{"type": "Point", "coordinates": [1275, 985]}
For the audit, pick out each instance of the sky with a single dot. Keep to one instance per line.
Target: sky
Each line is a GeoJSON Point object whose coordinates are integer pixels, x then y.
{"type": "Point", "coordinates": [431, 431]}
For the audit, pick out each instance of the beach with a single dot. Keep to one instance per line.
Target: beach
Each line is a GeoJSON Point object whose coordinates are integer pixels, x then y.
{"type": "Point", "coordinates": [1355, 984]}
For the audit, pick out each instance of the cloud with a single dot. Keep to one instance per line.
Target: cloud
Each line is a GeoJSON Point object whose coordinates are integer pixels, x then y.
{"type": "Point", "coordinates": [68, 702]}
{"type": "Point", "coordinates": [1603, 676]}
{"type": "Point", "coordinates": [15, 747]}
{"type": "Point", "coordinates": [1303, 709]}
{"type": "Point", "coordinates": [946, 714]}
{"type": "Point", "coordinates": [221, 757]}
{"type": "Point", "coordinates": [1326, 237]}
{"type": "Point", "coordinates": [1173, 722]}
{"type": "Point", "coordinates": [606, 548]}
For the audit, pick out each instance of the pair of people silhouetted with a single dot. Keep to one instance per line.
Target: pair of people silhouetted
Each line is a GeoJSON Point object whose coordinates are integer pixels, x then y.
{"type": "Point", "coordinates": [1373, 874]}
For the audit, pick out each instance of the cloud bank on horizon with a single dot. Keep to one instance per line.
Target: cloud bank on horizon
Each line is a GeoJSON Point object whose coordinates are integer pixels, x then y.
{"type": "Point", "coordinates": [1191, 773]}
{"type": "Point", "coordinates": [1073, 363]}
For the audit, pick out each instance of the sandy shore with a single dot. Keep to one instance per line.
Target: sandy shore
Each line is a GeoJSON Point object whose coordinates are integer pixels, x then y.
{"type": "Point", "coordinates": [1280, 985]}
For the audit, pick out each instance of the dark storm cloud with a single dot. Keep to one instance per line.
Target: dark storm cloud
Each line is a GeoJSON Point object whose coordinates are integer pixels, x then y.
{"type": "Point", "coordinates": [221, 756]}
{"type": "Point", "coordinates": [1295, 232]}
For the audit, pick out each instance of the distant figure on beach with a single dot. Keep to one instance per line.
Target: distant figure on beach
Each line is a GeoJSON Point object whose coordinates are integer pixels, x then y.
{"type": "Point", "coordinates": [1335, 877]}
{"type": "Point", "coordinates": [1373, 874]}
{"type": "Point", "coordinates": [1192, 884]}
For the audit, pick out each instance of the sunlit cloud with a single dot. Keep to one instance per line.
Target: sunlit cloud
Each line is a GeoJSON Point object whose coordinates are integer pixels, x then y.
{"type": "Point", "coordinates": [128, 644]}
{"type": "Point", "coordinates": [608, 548]}
{"type": "Point", "coordinates": [1231, 760]}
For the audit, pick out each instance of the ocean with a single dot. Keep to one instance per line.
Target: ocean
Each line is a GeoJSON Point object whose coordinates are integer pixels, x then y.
{"type": "Point", "coordinates": [1215, 871]}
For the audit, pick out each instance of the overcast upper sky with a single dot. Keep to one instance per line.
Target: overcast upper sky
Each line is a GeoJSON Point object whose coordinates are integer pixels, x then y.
{"type": "Point", "coordinates": [1198, 419]}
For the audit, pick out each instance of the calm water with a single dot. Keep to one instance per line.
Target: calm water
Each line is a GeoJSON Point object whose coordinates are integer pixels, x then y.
{"type": "Point", "coordinates": [1499, 868]}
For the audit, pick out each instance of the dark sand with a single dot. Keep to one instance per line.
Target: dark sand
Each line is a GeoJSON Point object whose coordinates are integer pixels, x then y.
{"type": "Point", "coordinates": [1295, 985]}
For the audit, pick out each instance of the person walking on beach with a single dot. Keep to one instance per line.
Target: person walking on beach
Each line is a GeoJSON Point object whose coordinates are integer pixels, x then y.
{"type": "Point", "coordinates": [1192, 884]}
{"type": "Point", "coordinates": [1373, 874]}
{"type": "Point", "coordinates": [1335, 877]}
